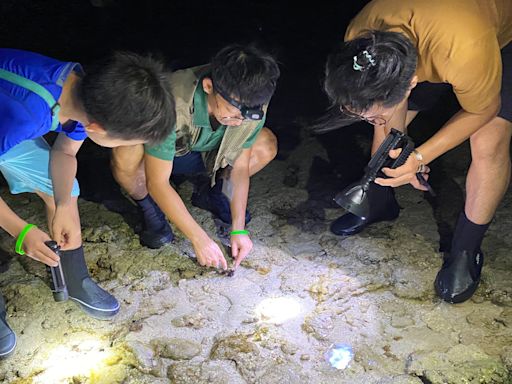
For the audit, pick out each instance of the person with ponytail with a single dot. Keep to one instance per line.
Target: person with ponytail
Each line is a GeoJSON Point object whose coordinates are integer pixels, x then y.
{"type": "Point", "coordinates": [396, 59]}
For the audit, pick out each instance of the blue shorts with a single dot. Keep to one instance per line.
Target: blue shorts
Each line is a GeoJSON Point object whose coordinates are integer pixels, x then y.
{"type": "Point", "coordinates": [188, 164]}
{"type": "Point", "coordinates": [26, 167]}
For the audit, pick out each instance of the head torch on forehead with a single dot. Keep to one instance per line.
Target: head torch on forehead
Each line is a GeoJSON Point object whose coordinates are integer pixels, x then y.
{"type": "Point", "coordinates": [250, 113]}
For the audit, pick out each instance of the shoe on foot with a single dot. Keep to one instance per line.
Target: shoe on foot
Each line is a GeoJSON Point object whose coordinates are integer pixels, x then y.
{"type": "Point", "coordinates": [94, 300]}
{"type": "Point", "coordinates": [156, 232]}
{"type": "Point", "coordinates": [91, 298]}
{"type": "Point", "coordinates": [215, 201]}
{"type": "Point", "coordinates": [458, 278]}
{"type": "Point", "coordinates": [383, 207]}
{"type": "Point", "coordinates": [7, 335]}
{"type": "Point", "coordinates": [155, 239]}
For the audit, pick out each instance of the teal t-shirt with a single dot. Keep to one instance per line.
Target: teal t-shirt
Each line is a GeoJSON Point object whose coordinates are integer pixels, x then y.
{"type": "Point", "coordinates": [208, 139]}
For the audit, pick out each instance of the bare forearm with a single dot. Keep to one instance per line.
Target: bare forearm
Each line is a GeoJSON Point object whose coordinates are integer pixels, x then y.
{"type": "Point", "coordinates": [63, 170]}
{"type": "Point", "coordinates": [458, 129]}
{"type": "Point", "coordinates": [172, 205]}
{"type": "Point", "coordinates": [240, 180]}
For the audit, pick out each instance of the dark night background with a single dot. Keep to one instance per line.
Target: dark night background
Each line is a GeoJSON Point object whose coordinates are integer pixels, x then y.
{"type": "Point", "coordinates": [188, 33]}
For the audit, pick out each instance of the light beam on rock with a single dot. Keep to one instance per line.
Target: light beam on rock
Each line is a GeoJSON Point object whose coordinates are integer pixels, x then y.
{"type": "Point", "coordinates": [74, 360]}
{"type": "Point", "coordinates": [277, 310]}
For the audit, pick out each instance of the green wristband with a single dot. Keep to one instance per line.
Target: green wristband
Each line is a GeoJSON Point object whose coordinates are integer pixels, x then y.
{"type": "Point", "coordinates": [19, 242]}
{"type": "Point", "coordinates": [241, 232]}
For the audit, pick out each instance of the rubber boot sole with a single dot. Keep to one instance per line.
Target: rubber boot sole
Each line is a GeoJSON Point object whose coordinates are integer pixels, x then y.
{"type": "Point", "coordinates": [9, 352]}
{"type": "Point", "coordinates": [360, 228]}
{"type": "Point", "coordinates": [97, 313]}
{"type": "Point", "coordinates": [156, 243]}
{"type": "Point", "coordinates": [461, 297]}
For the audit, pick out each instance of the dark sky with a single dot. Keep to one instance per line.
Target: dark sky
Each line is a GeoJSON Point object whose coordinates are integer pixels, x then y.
{"type": "Point", "coordinates": [188, 33]}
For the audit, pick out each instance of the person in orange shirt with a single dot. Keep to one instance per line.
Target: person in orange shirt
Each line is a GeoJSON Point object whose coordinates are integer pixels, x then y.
{"type": "Point", "coordinates": [396, 58]}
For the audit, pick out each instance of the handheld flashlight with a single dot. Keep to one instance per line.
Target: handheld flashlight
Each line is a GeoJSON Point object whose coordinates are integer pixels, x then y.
{"type": "Point", "coordinates": [57, 281]}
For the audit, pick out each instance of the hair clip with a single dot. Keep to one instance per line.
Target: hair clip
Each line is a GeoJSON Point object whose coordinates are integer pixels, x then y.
{"type": "Point", "coordinates": [361, 68]}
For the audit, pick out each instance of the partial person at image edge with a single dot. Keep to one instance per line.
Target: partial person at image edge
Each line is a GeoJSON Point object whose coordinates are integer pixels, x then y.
{"type": "Point", "coordinates": [396, 58]}
{"type": "Point", "coordinates": [124, 99]}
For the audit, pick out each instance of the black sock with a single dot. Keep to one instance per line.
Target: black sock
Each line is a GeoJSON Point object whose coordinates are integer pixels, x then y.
{"type": "Point", "coordinates": [217, 188]}
{"type": "Point", "coordinates": [154, 218]}
{"type": "Point", "coordinates": [468, 235]}
{"type": "Point", "coordinates": [74, 268]}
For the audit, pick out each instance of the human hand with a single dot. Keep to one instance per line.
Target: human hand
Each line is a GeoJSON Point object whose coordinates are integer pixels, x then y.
{"type": "Point", "coordinates": [65, 227]}
{"type": "Point", "coordinates": [209, 254]}
{"type": "Point", "coordinates": [404, 174]}
{"type": "Point", "coordinates": [241, 245]}
{"type": "Point", "coordinates": [34, 247]}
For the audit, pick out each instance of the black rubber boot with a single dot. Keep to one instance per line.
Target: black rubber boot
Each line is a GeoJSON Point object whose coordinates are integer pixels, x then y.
{"type": "Point", "coordinates": [157, 231]}
{"type": "Point", "coordinates": [459, 276]}
{"type": "Point", "coordinates": [215, 201]}
{"type": "Point", "coordinates": [383, 207]}
{"type": "Point", "coordinates": [93, 300]}
{"type": "Point", "coordinates": [7, 335]}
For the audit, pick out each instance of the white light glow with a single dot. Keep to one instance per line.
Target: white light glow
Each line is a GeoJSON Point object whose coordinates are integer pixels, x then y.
{"type": "Point", "coordinates": [277, 310]}
{"type": "Point", "coordinates": [77, 359]}
{"type": "Point", "coordinates": [339, 356]}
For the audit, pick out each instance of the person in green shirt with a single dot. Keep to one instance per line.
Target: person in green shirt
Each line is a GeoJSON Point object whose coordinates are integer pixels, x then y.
{"type": "Point", "coordinates": [220, 118]}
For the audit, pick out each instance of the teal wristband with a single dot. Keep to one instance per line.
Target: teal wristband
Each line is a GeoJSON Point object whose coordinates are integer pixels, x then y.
{"type": "Point", "coordinates": [19, 242]}
{"type": "Point", "coordinates": [240, 232]}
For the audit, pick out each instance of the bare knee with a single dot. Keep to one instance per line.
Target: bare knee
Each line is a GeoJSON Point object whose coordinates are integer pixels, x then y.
{"type": "Point", "coordinates": [491, 144]}
{"type": "Point", "coordinates": [127, 161]}
{"type": "Point", "coordinates": [48, 200]}
{"type": "Point", "coordinates": [266, 145]}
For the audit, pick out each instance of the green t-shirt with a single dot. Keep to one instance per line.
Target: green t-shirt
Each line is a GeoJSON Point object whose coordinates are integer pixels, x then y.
{"type": "Point", "coordinates": [208, 139]}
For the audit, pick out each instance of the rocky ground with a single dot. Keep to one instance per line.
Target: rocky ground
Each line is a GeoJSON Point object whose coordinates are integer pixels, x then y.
{"type": "Point", "coordinates": [301, 293]}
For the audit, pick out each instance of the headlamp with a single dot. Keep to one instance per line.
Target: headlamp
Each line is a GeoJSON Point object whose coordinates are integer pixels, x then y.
{"type": "Point", "coordinates": [250, 113]}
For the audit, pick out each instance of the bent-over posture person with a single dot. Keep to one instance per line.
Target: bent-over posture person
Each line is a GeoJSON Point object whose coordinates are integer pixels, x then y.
{"type": "Point", "coordinates": [220, 116]}
{"type": "Point", "coordinates": [125, 99]}
{"type": "Point", "coordinates": [396, 58]}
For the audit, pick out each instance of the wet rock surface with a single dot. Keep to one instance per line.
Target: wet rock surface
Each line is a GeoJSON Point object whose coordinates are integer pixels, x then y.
{"type": "Point", "coordinates": [301, 291]}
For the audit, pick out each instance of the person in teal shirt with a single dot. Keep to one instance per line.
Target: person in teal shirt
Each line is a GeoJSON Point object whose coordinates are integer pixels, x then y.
{"type": "Point", "coordinates": [220, 131]}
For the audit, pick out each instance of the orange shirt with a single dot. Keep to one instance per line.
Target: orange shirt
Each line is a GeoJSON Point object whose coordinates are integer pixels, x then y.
{"type": "Point", "coordinates": [458, 41]}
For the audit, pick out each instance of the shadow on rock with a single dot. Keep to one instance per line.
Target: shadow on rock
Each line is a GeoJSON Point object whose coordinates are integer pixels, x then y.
{"type": "Point", "coordinates": [5, 259]}
{"type": "Point", "coordinates": [348, 150]}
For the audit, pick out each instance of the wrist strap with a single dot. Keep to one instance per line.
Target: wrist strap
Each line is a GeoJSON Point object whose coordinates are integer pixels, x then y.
{"type": "Point", "coordinates": [240, 232]}
{"type": "Point", "coordinates": [19, 242]}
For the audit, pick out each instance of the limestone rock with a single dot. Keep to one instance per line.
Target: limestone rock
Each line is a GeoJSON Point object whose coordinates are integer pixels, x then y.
{"type": "Point", "coordinates": [176, 349]}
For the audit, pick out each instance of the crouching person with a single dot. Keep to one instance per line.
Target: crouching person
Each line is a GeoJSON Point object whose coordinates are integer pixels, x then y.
{"type": "Point", "coordinates": [220, 116]}
{"type": "Point", "coordinates": [123, 100]}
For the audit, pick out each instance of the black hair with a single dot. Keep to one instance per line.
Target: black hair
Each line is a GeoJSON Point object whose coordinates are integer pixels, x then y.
{"type": "Point", "coordinates": [375, 68]}
{"type": "Point", "coordinates": [246, 73]}
{"type": "Point", "coordinates": [129, 96]}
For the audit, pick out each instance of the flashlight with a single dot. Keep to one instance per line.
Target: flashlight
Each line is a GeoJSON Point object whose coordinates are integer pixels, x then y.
{"type": "Point", "coordinates": [57, 281]}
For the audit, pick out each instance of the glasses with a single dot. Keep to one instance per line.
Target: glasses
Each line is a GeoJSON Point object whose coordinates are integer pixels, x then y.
{"type": "Point", "coordinates": [228, 119]}
{"type": "Point", "coordinates": [370, 120]}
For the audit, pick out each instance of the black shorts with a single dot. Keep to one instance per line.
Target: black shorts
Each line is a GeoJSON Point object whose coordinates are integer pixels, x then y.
{"type": "Point", "coordinates": [425, 95]}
